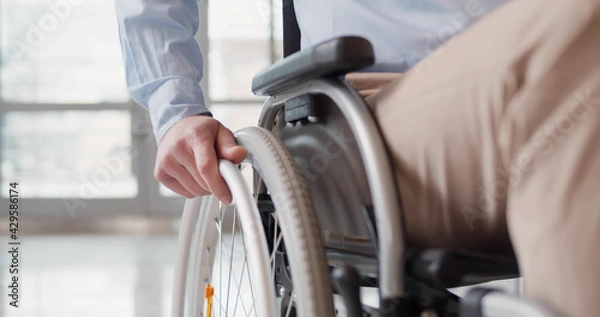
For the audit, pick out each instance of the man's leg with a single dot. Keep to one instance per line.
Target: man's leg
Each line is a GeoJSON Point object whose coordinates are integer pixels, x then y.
{"type": "Point", "coordinates": [502, 126]}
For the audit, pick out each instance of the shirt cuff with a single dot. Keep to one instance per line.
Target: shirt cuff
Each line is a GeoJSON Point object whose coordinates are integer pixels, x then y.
{"type": "Point", "coordinates": [172, 101]}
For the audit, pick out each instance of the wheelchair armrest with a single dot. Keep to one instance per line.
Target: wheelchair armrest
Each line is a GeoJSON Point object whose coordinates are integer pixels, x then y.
{"type": "Point", "coordinates": [331, 58]}
{"type": "Point", "coordinates": [453, 268]}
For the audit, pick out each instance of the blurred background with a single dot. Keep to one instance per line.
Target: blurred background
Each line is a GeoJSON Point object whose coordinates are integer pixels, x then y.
{"type": "Point", "coordinates": [98, 232]}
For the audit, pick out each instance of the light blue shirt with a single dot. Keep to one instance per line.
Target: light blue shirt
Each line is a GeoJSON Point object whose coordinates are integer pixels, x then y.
{"type": "Point", "coordinates": [164, 63]}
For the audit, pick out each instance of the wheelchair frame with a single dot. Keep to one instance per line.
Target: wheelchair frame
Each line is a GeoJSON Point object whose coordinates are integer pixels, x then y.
{"type": "Point", "coordinates": [391, 248]}
{"type": "Point", "coordinates": [378, 167]}
{"type": "Point", "coordinates": [374, 155]}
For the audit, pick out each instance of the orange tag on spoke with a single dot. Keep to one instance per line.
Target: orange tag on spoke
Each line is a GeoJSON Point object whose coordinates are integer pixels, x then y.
{"type": "Point", "coordinates": [208, 294]}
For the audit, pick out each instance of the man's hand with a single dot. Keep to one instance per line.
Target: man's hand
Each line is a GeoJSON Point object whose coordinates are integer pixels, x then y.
{"type": "Point", "coordinates": [187, 162]}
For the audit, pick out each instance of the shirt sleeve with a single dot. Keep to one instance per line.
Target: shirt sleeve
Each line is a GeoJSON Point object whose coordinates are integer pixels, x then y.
{"type": "Point", "coordinates": [163, 62]}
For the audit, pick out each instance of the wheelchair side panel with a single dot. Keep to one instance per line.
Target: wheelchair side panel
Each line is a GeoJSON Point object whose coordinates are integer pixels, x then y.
{"type": "Point", "coordinates": [327, 154]}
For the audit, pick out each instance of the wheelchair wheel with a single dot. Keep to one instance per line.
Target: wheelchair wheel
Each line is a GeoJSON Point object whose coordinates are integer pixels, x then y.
{"type": "Point", "coordinates": [265, 257]}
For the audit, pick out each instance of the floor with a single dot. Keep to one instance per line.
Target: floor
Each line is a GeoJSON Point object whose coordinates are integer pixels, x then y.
{"type": "Point", "coordinates": [99, 276]}
{"type": "Point", "coordinates": [93, 276]}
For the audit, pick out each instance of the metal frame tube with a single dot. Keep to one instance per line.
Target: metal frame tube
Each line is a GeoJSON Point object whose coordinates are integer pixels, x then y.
{"type": "Point", "coordinates": [498, 304]}
{"type": "Point", "coordinates": [378, 170]}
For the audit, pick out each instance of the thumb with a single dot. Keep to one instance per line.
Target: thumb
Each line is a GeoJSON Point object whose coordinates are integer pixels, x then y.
{"type": "Point", "coordinates": [227, 148]}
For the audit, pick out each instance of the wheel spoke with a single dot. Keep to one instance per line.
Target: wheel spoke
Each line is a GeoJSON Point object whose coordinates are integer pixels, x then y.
{"type": "Point", "coordinates": [275, 226]}
{"type": "Point", "coordinates": [239, 286]}
{"type": "Point", "coordinates": [221, 257]}
{"type": "Point", "coordinates": [231, 258]}
{"type": "Point", "coordinates": [225, 256]}
{"type": "Point", "coordinates": [277, 244]}
{"type": "Point", "coordinates": [249, 277]}
{"type": "Point", "coordinates": [218, 301]}
{"type": "Point", "coordinates": [290, 304]}
{"type": "Point", "coordinates": [252, 310]}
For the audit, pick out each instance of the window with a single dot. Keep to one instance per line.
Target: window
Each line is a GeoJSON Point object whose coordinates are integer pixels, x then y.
{"type": "Point", "coordinates": [66, 123]}
{"type": "Point", "coordinates": [58, 153]}
{"type": "Point", "coordinates": [71, 136]}
{"type": "Point", "coordinates": [245, 38]}
{"type": "Point", "coordinates": [60, 52]}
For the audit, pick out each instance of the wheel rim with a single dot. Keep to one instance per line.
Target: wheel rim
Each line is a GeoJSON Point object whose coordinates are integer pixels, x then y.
{"type": "Point", "coordinates": [234, 291]}
{"type": "Point", "coordinates": [299, 228]}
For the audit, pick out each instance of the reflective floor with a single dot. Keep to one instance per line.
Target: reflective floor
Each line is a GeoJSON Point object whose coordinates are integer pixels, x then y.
{"type": "Point", "coordinates": [92, 276]}
{"type": "Point", "coordinates": [101, 276]}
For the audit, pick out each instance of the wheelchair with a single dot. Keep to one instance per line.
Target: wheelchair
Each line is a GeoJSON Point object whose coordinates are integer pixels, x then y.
{"type": "Point", "coordinates": [315, 228]}
{"type": "Point", "coordinates": [316, 222]}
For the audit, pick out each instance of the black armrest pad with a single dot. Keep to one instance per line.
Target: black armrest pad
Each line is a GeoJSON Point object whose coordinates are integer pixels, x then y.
{"type": "Point", "coordinates": [331, 58]}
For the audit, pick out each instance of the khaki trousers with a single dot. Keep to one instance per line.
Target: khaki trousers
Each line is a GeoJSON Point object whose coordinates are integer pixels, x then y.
{"type": "Point", "coordinates": [495, 138]}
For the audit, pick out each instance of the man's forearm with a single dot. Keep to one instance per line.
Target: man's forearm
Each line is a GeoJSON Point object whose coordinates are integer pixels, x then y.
{"type": "Point", "coordinates": [162, 58]}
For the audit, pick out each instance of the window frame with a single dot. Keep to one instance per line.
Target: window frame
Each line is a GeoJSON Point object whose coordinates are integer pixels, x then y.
{"type": "Point", "coordinates": [148, 201]}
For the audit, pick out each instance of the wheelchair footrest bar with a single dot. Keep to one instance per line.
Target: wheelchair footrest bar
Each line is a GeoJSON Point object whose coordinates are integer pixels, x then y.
{"type": "Point", "coordinates": [488, 302]}
{"type": "Point", "coordinates": [470, 305]}
{"type": "Point", "coordinates": [345, 279]}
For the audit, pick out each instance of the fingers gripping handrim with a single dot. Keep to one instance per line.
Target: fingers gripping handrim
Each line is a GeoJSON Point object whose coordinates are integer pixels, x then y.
{"type": "Point", "coordinates": [227, 147]}
{"type": "Point", "coordinates": [207, 165]}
